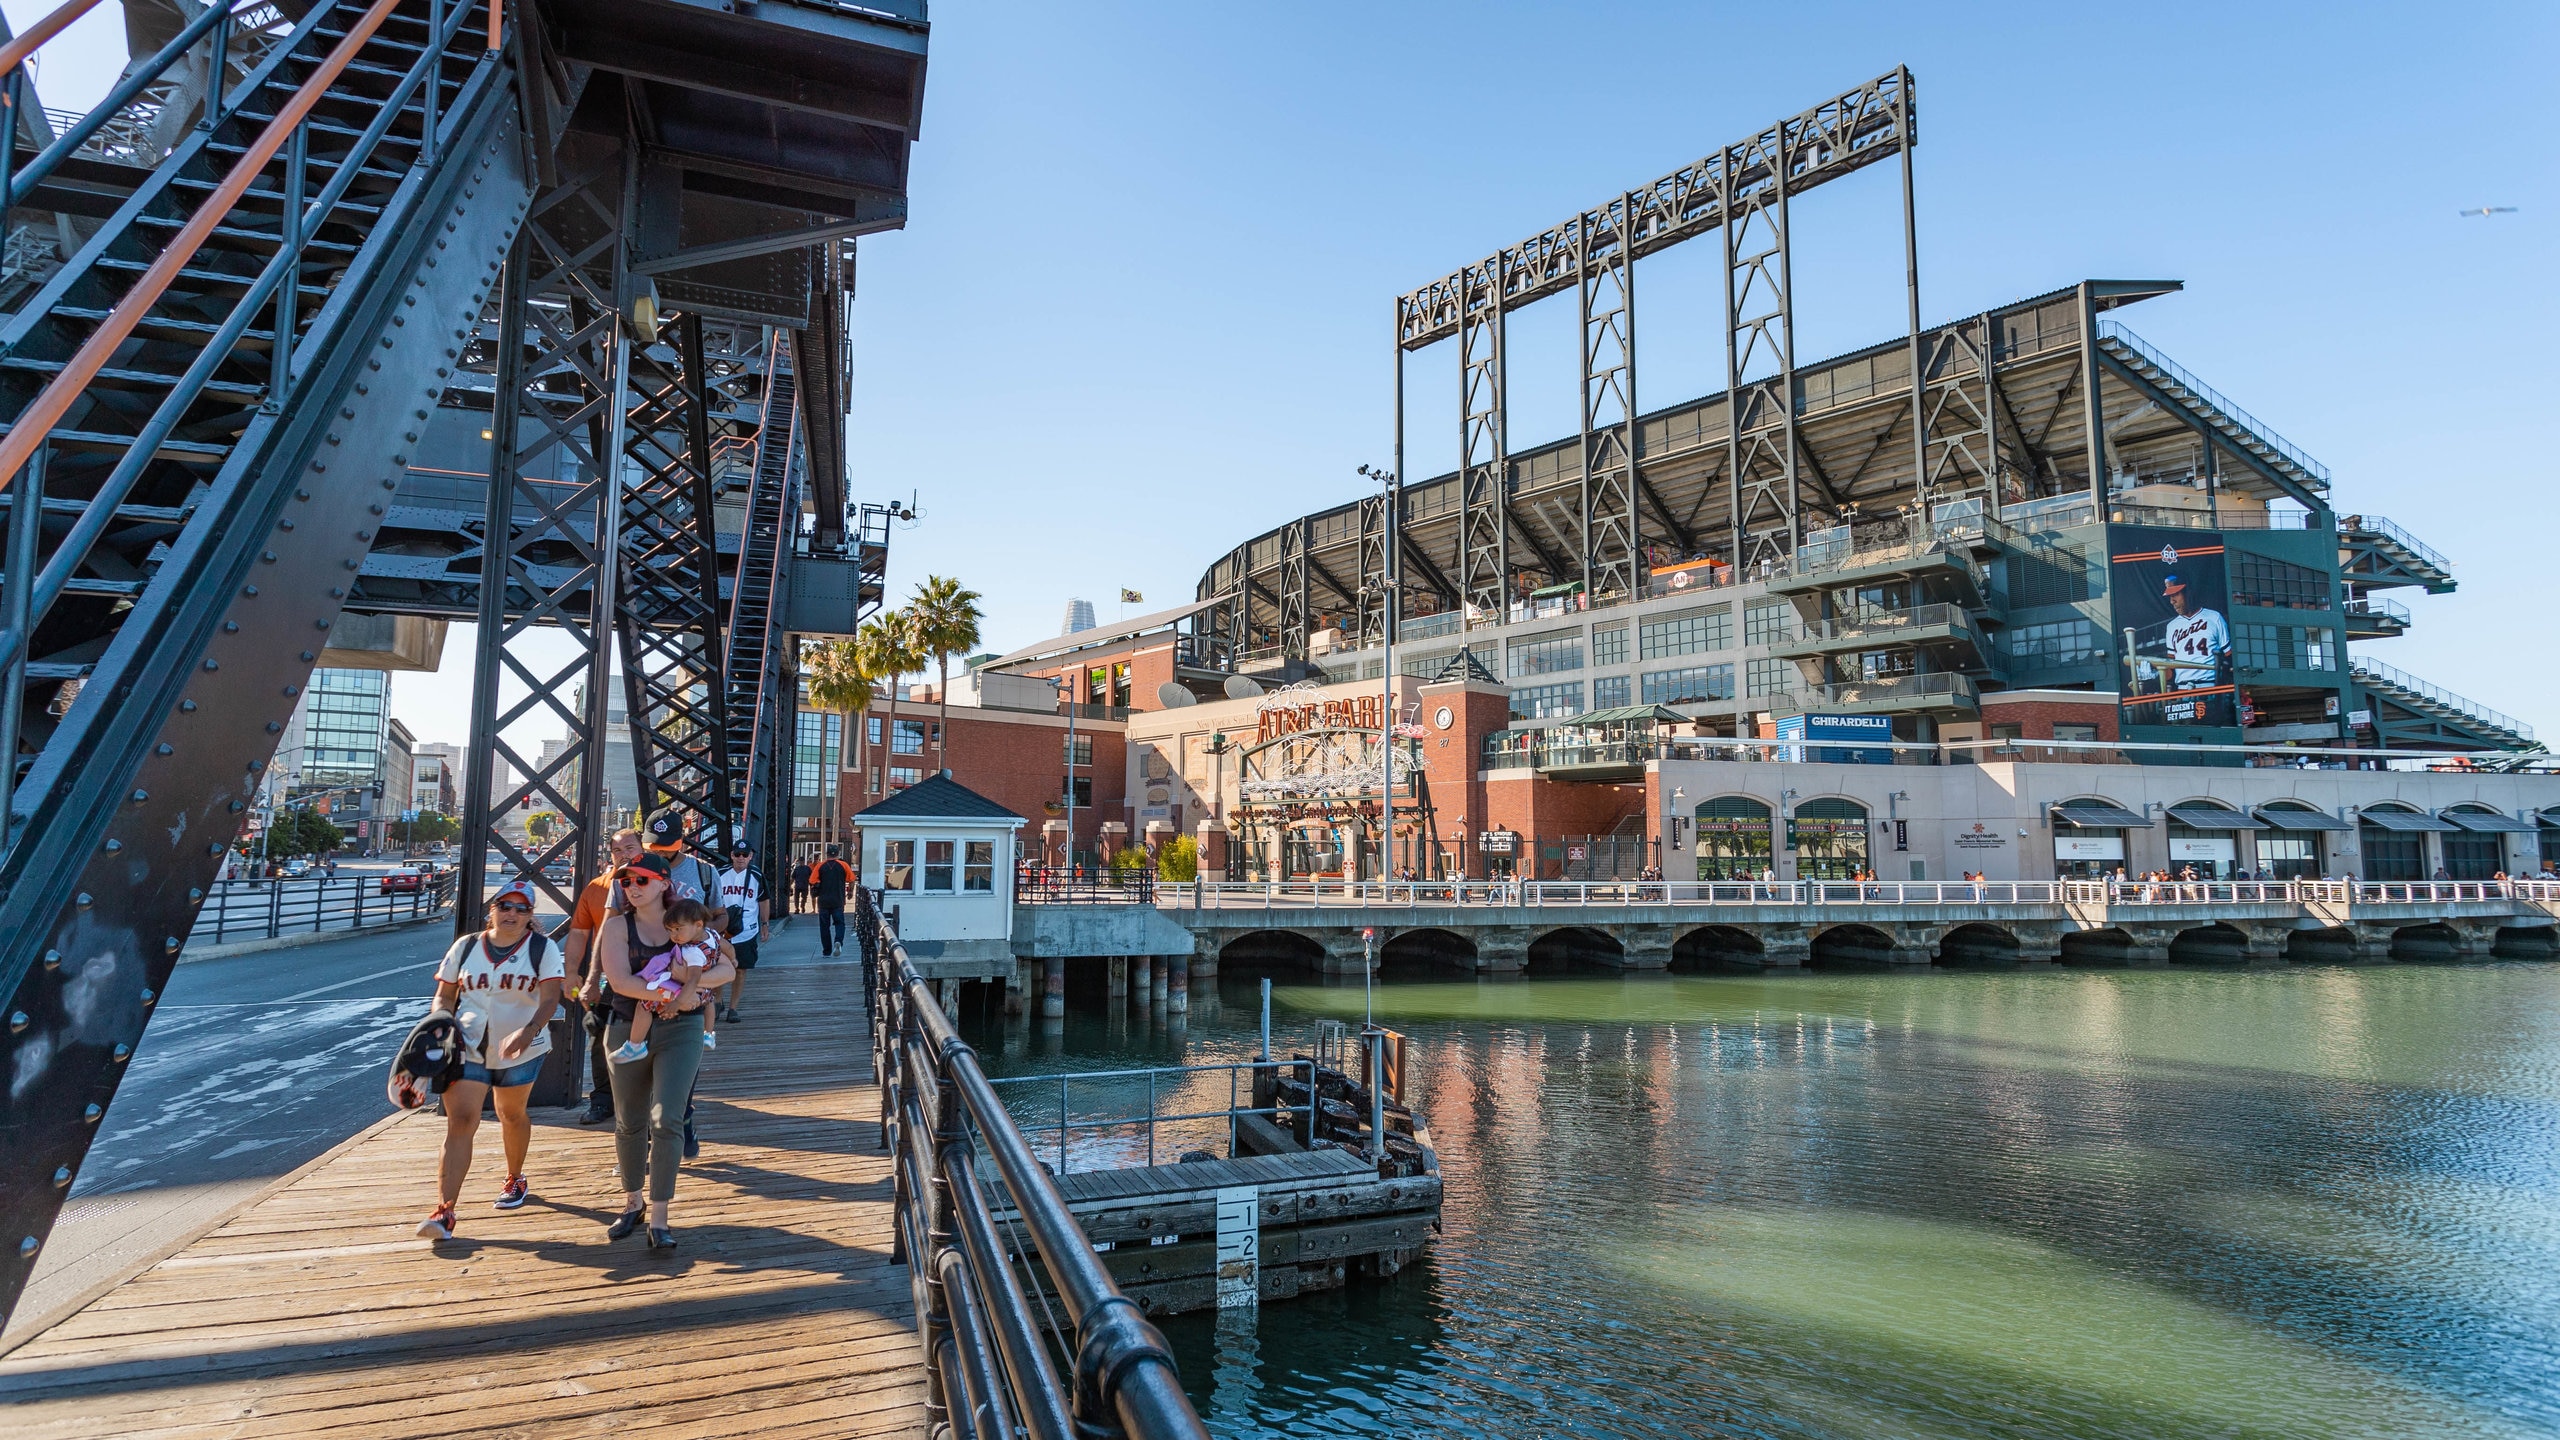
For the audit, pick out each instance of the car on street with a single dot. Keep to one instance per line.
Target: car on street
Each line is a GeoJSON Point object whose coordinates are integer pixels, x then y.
{"type": "Point", "coordinates": [407, 880]}
{"type": "Point", "coordinates": [296, 869]}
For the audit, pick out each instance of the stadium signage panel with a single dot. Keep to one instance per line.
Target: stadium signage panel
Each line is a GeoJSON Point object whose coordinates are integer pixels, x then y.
{"type": "Point", "coordinates": [1361, 712]}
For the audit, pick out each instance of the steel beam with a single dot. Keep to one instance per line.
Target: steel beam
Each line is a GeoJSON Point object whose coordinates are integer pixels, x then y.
{"type": "Point", "coordinates": [1759, 310]}
{"type": "Point", "coordinates": [1484, 457]}
{"type": "Point", "coordinates": [1612, 545]}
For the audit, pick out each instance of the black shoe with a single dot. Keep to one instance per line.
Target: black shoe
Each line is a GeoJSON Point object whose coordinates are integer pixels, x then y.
{"type": "Point", "coordinates": [692, 1146]}
{"type": "Point", "coordinates": [621, 1229]}
{"type": "Point", "coordinates": [661, 1238]}
{"type": "Point", "coordinates": [729, 1015]}
{"type": "Point", "coordinates": [595, 1114]}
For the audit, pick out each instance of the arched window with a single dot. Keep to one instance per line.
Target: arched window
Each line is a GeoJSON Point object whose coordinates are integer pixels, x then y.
{"type": "Point", "coordinates": [2474, 854]}
{"type": "Point", "coordinates": [1829, 836]}
{"type": "Point", "coordinates": [2394, 839]}
{"type": "Point", "coordinates": [2291, 850]}
{"type": "Point", "coordinates": [1734, 838]}
{"type": "Point", "coordinates": [2088, 838]}
{"type": "Point", "coordinates": [2205, 834]}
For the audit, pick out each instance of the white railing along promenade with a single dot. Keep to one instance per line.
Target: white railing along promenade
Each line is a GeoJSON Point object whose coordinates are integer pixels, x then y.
{"type": "Point", "coordinates": [1551, 894]}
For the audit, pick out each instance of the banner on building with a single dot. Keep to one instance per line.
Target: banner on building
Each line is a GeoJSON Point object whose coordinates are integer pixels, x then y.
{"type": "Point", "coordinates": [2172, 598]}
{"type": "Point", "coordinates": [1875, 730]}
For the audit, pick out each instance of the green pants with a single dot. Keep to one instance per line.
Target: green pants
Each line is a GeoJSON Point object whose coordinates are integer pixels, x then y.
{"type": "Point", "coordinates": [649, 1096]}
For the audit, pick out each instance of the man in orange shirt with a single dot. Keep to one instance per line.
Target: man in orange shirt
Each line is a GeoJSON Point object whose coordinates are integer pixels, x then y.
{"type": "Point", "coordinates": [586, 988]}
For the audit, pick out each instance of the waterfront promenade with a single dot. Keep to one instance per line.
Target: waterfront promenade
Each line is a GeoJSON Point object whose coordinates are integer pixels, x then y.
{"type": "Point", "coordinates": [311, 1310]}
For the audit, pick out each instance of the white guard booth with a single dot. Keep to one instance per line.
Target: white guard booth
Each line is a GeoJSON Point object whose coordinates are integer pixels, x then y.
{"type": "Point", "coordinates": [940, 856]}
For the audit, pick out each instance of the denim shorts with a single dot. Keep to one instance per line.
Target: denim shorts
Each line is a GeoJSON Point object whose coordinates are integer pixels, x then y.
{"type": "Point", "coordinates": [520, 1073]}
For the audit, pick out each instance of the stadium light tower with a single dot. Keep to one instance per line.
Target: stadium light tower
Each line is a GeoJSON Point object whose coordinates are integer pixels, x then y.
{"type": "Point", "coordinates": [1387, 686]}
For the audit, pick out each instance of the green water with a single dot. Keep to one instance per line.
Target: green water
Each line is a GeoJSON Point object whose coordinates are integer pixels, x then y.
{"type": "Point", "coordinates": [2307, 1202]}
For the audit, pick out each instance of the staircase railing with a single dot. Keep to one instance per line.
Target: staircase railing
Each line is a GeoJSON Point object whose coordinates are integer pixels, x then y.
{"type": "Point", "coordinates": [999, 1361]}
{"type": "Point", "coordinates": [2389, 677]}
{"type": "Point", "coordinates": [755, 669]}
{"type": "Point", "coordinates": [2113, 330]}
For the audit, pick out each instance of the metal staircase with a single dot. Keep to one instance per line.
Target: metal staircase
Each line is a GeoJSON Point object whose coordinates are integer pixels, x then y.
{"type": "Point", "coordinates": [2374, 554]}
{"type": "Point", "coordinates": [2237, 428]}
{"type": "Point", "coordinates": [207, 403]}
{"type": "Point", "coordinates": [757, 704]}
{"type": "Point", "coordinates": [2415, 713]}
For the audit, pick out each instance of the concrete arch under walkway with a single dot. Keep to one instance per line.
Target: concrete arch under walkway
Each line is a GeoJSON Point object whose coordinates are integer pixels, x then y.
{"type": "Point", "coordinates": [1576, 945]}
{"type": "Point", "coordinates": [1273, 949]}
{"type": "Point", "coordinates": [1853, 947]}
{"type": "Point", "coordinates": [2215, 944]}
{"type": "Point", "coordinates": [1428, 949]}
{"type": "Point", "coordinates": [2096, 948]}
{"type": "Point", "coordinates": [1979, 945]}
{"type": "Point", "coordinates": [1719, 947]}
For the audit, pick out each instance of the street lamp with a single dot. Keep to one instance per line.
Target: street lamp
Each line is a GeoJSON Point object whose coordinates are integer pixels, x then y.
{"type": "Point", "coordinates": [1387, 677]}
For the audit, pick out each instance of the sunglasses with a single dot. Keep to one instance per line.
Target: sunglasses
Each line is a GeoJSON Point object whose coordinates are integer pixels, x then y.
{"type": "Point", "coordinates": [516, 906]}
{"type": "Point", "coordinates": [639, 877]}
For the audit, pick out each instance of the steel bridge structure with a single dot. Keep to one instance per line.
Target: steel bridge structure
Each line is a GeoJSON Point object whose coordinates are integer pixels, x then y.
{"type": "Point", "coordinates": [531, 313]}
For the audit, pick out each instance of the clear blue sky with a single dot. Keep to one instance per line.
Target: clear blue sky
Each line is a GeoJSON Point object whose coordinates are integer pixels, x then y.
{"type": "Point", "coordinates": [1141, 307]}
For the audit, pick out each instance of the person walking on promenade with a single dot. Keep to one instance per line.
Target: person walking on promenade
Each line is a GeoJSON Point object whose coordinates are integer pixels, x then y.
{"type": "Point", "coordinates": [828, 880]}
{"type": "Point", "coordinates": [503, 985]}
{"type": "Point", "coordinates": [742, 895]}
{"type": "Point", "coordinates": [651, 1094]}
{"type": "Point", "coordinates": [586, 981]}
{"type": "Point", "coordinates": [799, 886]}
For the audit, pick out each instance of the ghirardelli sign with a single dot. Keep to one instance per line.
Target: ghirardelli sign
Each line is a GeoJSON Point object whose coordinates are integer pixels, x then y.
{"type": "Point", "coordinates": [1358, 713]}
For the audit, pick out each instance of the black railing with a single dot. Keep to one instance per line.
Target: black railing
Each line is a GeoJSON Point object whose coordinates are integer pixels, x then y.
{"type": "Point", "coordinates": [242, 910]}
{"type": "Point", "coordinates": [999, 1360]}
{"type": "Point", "coordinates": [1083, 885]}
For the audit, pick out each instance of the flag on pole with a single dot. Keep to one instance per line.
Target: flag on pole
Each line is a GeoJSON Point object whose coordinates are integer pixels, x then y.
{"type": "Point", "coordinates": [1132, 597]}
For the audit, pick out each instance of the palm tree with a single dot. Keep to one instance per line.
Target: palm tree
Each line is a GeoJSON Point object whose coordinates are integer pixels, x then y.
{"type": "Point", "coordinates": [946, 620]}
{"type": "Point", "coordinates": [885, 649]}
{"type": "Point", "coordinates": [838, 686]}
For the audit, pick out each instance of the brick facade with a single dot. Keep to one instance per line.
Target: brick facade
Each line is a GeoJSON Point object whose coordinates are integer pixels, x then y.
{"type": "Point", "coordinates": [1013, 757]}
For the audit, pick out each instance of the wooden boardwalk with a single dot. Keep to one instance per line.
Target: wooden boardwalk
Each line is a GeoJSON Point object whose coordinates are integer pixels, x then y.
{"type": "Point", "coordinates": [314, 1311]}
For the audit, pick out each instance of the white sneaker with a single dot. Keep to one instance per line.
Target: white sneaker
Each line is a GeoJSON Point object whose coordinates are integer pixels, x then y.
{"type": "Point", "coordinates": [710, 1039]}
{"type": "Point", "coordinates": [628, 1051]}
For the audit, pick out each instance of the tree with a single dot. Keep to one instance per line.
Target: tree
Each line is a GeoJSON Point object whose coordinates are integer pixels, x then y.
{"type": "Point", "coordinates": [540, 824]}
{"type": "Point", "coordinates": [886, 649]}
{"type": "Point", "coordinates": [946, 624]}
{"type": "Point", "coordinates": [302, 832]}
{"type": "Point", "coordinates": [1178, 859]}
{"type": "Point", "coordinates": [838, 685]}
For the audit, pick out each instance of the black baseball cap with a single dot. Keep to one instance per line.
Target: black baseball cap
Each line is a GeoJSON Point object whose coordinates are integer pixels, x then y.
{"type": "Point", "coordinates": [666, 828]}
{"type": "Point", "coordinates": [655, 864]}
{"type": "Point", "coordinates": [741, 847]}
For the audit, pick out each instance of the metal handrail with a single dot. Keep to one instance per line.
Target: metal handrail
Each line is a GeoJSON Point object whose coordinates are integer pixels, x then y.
{"type": "Point", "coordinates": [2110, 329]}
{"type": "Point", "coordinates": [989, 1362]}
{"type": "Point", "coordinates": [1549, 894]}
{"type": "Point", "coordinates": [2375, 671]}
{"type": "Point", "coordinates": [1233, 1069]}
{"type": "Point", "coordinates": [2378, 525]}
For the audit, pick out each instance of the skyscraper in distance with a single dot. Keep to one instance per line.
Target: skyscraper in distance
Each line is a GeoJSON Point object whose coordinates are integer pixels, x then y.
{"type": "Point", "coordinates": [1079, 617]}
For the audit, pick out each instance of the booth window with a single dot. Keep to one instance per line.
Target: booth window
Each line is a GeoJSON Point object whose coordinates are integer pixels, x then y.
{"type": "Point", "coordinates": [937, 866]}
{"type": "Point", "coordinates": [898, 865]}
{"type": "Point", "coordinates": [979, 877]}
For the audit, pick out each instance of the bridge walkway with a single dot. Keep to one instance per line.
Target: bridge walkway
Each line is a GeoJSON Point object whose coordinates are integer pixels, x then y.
{"type": "Point", "coordinates": [314, 1312]}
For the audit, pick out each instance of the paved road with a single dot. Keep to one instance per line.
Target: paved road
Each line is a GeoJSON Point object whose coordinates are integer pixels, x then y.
{"type": "Point", "coordinates": [252, 1065]}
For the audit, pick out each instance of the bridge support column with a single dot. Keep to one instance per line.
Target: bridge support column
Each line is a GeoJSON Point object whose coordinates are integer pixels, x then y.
{"type": "Point", "coordinates": [1141, 975]}
{"type": "Point", "coordinates": [2473, 939]}
{"type": "Point", "coordinates": [2038, 947]}
{"type": "Point", "coordinates": [1342, 954]}
{"type": "Point", "coordinates": [1026, 976]}
{"type": "Point", "coordinates": [1118, 988]}
{"type": "Point", "coordinates": [2263, 941]}
{"type": "Point", "coordinates": [1053, 988]}
{"type": "Point", "coordinates": [1177, 990]}
{"type": "Point", "coordinates": [1646, 947]}
{"type": "Point", "coordinates": [1501, 949]}
{"type": "Point", "coordinates": [2150, 945]}
{"type": "Point", "coordinates": [2372, 944]}
{"type": "Point", "coordinates": [1915, 947]}
{"type": "Point", "coordinates": [1204, 958]}
{"type": "Point", "coordinates": [1785, 947]}
{"type": "Point", "coordinates": [1160, 981]}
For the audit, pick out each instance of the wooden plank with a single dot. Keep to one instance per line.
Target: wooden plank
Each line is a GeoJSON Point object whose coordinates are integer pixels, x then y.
{"type": "Point", "coordinates": [313, 1311]}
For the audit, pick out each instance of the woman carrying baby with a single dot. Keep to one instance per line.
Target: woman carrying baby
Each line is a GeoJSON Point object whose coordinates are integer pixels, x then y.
{"type": "Point", "coordinates": [649, 1090]}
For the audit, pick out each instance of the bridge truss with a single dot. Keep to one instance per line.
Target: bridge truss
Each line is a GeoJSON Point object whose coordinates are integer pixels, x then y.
{"type": "Point", "coordinates": [511, 280]}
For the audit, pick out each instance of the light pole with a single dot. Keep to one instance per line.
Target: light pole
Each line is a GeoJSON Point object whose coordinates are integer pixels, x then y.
{"type": "Point", "coordinates": [1387, 598]}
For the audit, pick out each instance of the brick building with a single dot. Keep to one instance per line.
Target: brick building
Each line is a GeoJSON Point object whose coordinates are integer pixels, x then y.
{"type": "Point", "coordinates": [1016, 757]}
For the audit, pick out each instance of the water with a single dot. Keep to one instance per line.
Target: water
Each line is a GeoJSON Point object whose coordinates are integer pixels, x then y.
{"type": "Point", "coordinates": [2155, 1203]}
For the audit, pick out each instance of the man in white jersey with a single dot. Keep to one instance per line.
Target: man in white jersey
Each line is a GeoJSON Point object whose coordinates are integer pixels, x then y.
{"type": "Point", "coordinates": [742, 895]}
{"type": "Point", "coordinates": [2199, 637]}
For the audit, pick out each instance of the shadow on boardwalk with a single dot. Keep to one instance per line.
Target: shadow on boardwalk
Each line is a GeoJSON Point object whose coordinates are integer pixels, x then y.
{"type": "Point", "coordinates": [314, 1311]}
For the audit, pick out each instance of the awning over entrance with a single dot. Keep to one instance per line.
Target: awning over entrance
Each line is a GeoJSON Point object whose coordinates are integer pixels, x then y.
{"type": "Point", "coordinates": [2283, 818]}
{"type": "Point", "coordinates": [2403, 820]}
{"type": "Point", "coordinates": [2212, 817]}
{"type": "Point", "coordinates": [2098, 815]}
{"type": "Point", "coordinates": [1660, 714]}
{"type": "Point", "coordinates": [2490, 822]}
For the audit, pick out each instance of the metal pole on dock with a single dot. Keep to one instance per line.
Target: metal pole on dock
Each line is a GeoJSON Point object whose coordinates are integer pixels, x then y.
{"type": "Point", "coordinates": [1375, 1041]}
{"type": "Point", "coordinates": [1368, 998]}
{"type": "Point", "coordinates": [1266, 1020]}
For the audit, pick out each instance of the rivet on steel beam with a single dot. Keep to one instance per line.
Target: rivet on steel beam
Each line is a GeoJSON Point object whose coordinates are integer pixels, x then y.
{"type": "Point", "coordinates": [249, 590]}
{"type": "Point", "coordinates": [27, 1248]}
{"type": "Point", "coordinates": [85, 900]}
{"type": "Point", "coordinates": [61, 1176]}
{"type": "Point", "coordinates": [274, 729]}
{"type": "Point", "coordinates": [114, 845]}
{"type": "Point", "coordinates": [230, 627]}
{"type": "Point", "coordinates": [141, 795]}
{"type": "Point", "coordinates": [92, 1113]}
{"type": "Point", "coordinates": [212, 664]}
{"type": "Point", "coordinates": [187, 706]}
{"type": "Point", "coordinates": [18, 1021]}
{"type": "Point", "coordinates": [150, 997]}
{"type": "Point", "coordinates": [122, 1052]}
{"type": "Point", "coordinates": [166, 749]}
{"type": "Point", "coordinates": [53, 959]}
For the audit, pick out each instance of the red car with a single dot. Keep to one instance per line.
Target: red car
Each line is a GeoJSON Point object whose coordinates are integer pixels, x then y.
{"type": "Point", "coordinates": [408, 879]}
